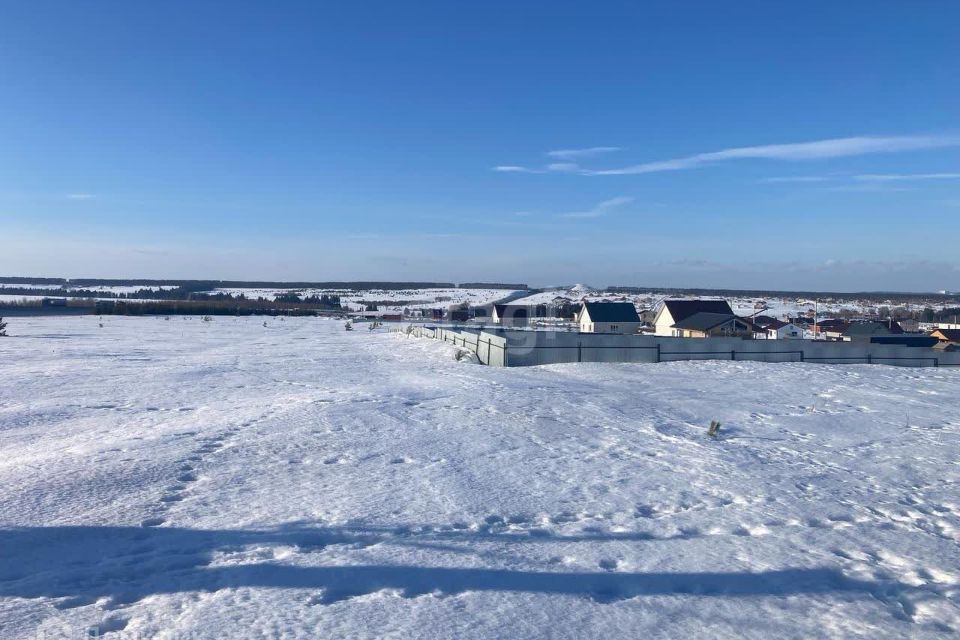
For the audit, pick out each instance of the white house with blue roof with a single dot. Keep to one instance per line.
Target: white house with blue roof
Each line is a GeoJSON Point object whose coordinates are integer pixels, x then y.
{"type": "Point", "coordinates": [608, 317]}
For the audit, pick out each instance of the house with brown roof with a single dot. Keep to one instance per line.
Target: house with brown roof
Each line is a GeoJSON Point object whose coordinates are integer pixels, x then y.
{"type": "Point", "coordinates": [946, 336]}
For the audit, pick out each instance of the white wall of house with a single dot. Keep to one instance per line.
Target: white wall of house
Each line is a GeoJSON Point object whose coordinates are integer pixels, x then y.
{"type": "Point", "coordinates": [589, 326]}
{"type": "Point", "coordinates": [787, 332]}
{"type": "Point", "coordinates": [663, 323]}
{"type": "Point", "coordinates": [615, 327]}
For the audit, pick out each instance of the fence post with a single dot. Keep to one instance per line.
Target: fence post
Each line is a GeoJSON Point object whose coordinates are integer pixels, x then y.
{"type": "Point", "coordinates": [869, 358]}
{"type": "Point", "coordinates": [658, 352]}
{"type": "Point", "coordinates": [733, 354]}
{"type": "Point", "coordinates": [579, 352]}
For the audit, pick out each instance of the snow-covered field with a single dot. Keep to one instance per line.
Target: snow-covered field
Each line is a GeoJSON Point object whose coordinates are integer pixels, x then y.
{"type": "Point", "coordinates": [188, 479]}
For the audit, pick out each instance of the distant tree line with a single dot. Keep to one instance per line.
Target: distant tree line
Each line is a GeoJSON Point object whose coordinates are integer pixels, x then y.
{"type": "Point", "coordinates": [824, 296]}
{"type": "Point", "coordinates": [491, 285]}
{"type": "Point", "coordinates": [210, 307]}
{"type": "Point", "coordinates": [219, 304]}
{"type": "Point", "coordinates": [200, 285]}
{"type": "Point", "coordinates": [194, 291]}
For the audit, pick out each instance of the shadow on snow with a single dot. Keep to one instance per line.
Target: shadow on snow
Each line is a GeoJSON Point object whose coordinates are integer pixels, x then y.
{"type": "Point", "coordinates": [83, 564]}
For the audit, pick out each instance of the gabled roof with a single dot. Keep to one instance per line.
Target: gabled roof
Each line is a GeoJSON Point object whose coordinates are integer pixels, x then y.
{"type": "Point", "coordinates": [775, 324]}
{"type": "Point", "coordinates": [873, 329]}
{"type": "Point", "coordinates": [704, 321]}
{"type": "Point", "coordinates": [952, 335]}
{"type": "Point", "coordinates": [510, 310]}
{"type": "Point", "coordinates": [764, 321]}
{"type": "Point", "coordinates": [826, 323]}
{"type": "Point", "coordinates": [611, 311]}
{"type": "Point", "coordinates": [681, 309]}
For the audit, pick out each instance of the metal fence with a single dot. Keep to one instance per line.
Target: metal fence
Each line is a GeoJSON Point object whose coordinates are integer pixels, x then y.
{"type": "Point", "coordinates": [513, 348]}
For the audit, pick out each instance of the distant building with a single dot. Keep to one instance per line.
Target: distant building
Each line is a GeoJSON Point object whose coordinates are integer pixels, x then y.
{"type": "Point", "coordinates": [674, 311]}
{"type": "Point", "coordinates": [830, 328]}
{"type": "Point", "coordinates": [705, 324]}
{"type": "Point", "coordinates": [946, 336]}
{"type": "Point", "coordinates": [779, 330]}
{"type": "Point", "coordinates": [511, 315]}
{"type": "Point", "coordinates": [864, 331]}
{"type": "Point", "coordinates": [608, 317]}
{"type": "Point", "coordinates": [763, 321]}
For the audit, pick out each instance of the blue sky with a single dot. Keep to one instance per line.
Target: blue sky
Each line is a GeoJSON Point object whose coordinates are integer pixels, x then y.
{"type": "Point", "coordinates": [751, 144]}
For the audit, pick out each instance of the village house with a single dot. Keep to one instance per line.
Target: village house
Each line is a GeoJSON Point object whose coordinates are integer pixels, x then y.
{"type": "Point", "coordinates": [865, 331]}
{"type": "Point", "coordinates": [780, 330]}
{"type": "Point", "coordinates": [947, 336]}
{"type": "Point", "coordinates": [511, 315]}
{"type": "Point", "coordinates": [608, 317]}
{"type": "Point", "coordinates": [708, 325]}
{"type": "Point", "coordinates": [674, 311]}
{"type": "Point", "coordinates": [830, 328]}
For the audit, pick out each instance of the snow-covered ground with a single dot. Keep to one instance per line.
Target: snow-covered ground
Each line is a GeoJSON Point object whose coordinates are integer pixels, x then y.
{"type": "Point", "coordinates": [225, 479]}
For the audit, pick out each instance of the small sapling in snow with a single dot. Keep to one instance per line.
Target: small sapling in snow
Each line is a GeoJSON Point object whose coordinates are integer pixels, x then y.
{"type": "Point", "coordinates": [3, 328]}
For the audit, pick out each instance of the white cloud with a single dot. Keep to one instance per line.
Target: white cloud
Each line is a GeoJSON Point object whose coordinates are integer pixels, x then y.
{"type": "Point", "coordinates": [601, 209]}
{"type": "Point", "coordinates": [866, 179]}
{"type": "Point", "coordinates": [896, 177]}
{"type": "Point", "coordinates": [820, 149]}
{"type": "Point", "coordinates": [567, 167]}
{"type": "Point", "coordinates": [512, 168]}
{"type": "Point", "coordinates": [789, 179]}
{"type": "Point", "coordinates": [580, 153]}
{"type": "Point", "coordinates": [80, 196]}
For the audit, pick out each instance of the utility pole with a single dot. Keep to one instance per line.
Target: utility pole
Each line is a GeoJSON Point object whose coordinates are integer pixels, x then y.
{"type": "Point", "coordinates": [816, 313]}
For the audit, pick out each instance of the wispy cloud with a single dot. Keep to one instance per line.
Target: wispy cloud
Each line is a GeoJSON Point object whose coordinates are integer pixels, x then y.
{"type": "Point", "coordinates": [601, 209]}
{"type": "Point", "coordinates": [794, 179]}
{"type": "Point", "coordinates": [819, 149]}
{"type": "Point", "coordinates": [567, 167]}
{"type": "Point", "coordinates": [864, 179]}
{"type": "Point", "coordinates": [797, 151]}
{"type": "Point", "coordinates": [80, 196]}
{"type": "Point", "coordinates": [902, 177]}
{"type": "Point", "coordinates": [581, 153]}
{"type": "Point", "coordinates": [512, 168]}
